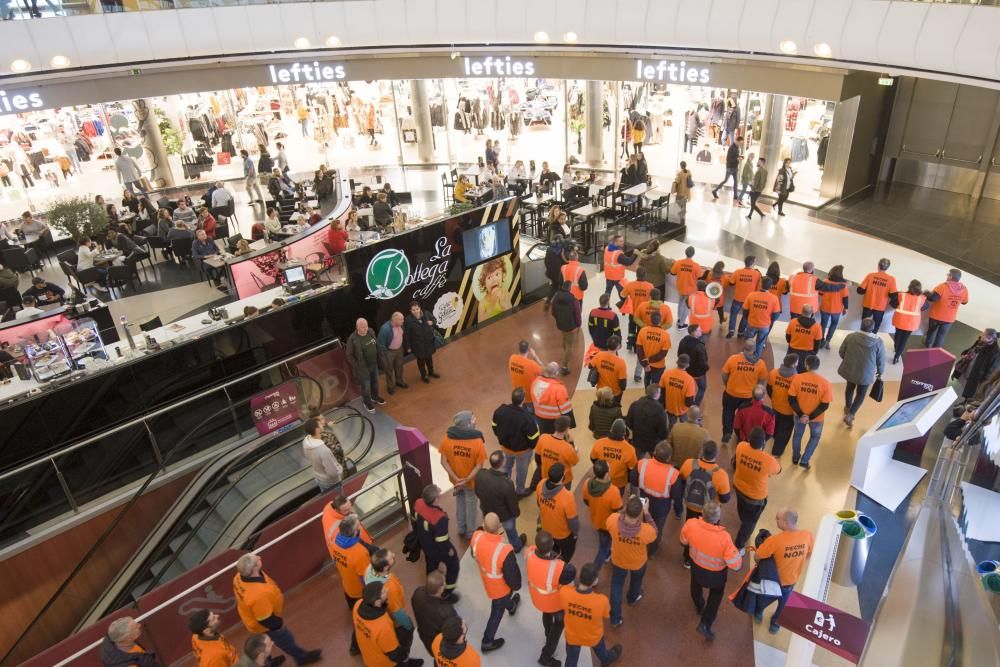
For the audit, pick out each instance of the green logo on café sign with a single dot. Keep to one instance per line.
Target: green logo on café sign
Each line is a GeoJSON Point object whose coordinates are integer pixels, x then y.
{"type": "Point", "coordinates": [387, 274]}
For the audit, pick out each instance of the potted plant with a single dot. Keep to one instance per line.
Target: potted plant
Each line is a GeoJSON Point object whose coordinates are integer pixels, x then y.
{"type": "Point", "coordinates": [78, 217]}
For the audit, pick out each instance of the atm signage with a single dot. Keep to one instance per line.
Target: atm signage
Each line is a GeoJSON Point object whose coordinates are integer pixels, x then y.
{"type": "Point", "coordinates": [306, 72]}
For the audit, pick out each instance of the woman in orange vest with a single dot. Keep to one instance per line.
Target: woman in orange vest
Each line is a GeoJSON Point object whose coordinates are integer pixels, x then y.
{"type": "Point", "coordinates": [546, 572]}
{"type": "Point", "coordinates": [906, 319]}
{"type": "Point", "coordinates": [615, 261]}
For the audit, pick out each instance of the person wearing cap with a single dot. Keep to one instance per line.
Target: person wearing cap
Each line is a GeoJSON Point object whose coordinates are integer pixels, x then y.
{"type": "Point", "coordinates": [451, 648]}
{"type": "Point", "coordinates": [380, 646]}
{"type": "Point", "coordinates": [45, 292]}
{"type": "Point", "coordinates": [501, 577]}
{"type": "Point", "coordinates": [463, 453]}
{"type": "Point", "coordinates": [557, 511]}
{"type": "Point", "coordinates": [210, 648]}
{"type": "Point", "coordinates": [546, 572]}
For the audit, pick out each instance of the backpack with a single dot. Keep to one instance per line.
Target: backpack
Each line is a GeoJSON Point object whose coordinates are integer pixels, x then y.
{"type": "Point", "coordinates": [699, 487]}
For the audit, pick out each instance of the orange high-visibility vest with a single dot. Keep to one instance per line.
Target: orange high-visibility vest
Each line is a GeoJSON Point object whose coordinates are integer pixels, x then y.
{"type": "Point", "coordinates": [907, 315]}
{"type": "Point", "coordinates": [655, 478]}
{"type": "Point", "coordinates": [701, 307]}
{"type": "Point", "coordinates": [612, 269]}
{"type": "Point", "coordinates": [802, 290]}
{"type": "Point", "coordinates": [490, 550]}
{"type": "Point", "coordinates": [543, 581]}
{"type": "Point", "coordinates": [549, 398]}
{"type": "Point", "coordinates": [571, 272]}
{"type": "Point", "coordinates": [711, 547]}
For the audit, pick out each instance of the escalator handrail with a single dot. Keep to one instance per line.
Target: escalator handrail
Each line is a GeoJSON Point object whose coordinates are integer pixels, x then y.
{"type": "Point", "coordinates": [371, 438]}
{"type": "Point", "coordinates": [125, 510]}
{"type": "Point", "coordinates": [48, 458]}
{"type": "Point", "coordinates": [249, 469]}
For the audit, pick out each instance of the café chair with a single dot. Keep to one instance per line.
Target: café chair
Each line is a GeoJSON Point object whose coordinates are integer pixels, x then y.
{"type": "Point", "coordinates": [230, 212]}
{"type": "Point", "coordinates": [68, 256]}
{"type": "Point", "coordinates": [20, 260]}
{"type": "Point", "coordinates": [11, 297]}
{"type": "Point", "coordinates": [155, 242]}
{"type": "Point", "coordinates": [233, 241]}
{"type": "Point", "coordinates": [144, 252]}
{"type": "Point", "coordinates": [181, 248]}
{"type": "Point", "coordinates": [120, 276]}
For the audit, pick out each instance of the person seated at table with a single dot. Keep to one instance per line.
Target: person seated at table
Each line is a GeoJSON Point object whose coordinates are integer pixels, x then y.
{"type": "Point", "coordinates": [207, 222]}
{"type": "Point", "coordinates": [336, 237]}
{"type": "Point", "coordinates": [146, 216]}
{"type": "Point", "coordinates": [387, 189]}
{"type": "Point", "coordinates": [243, 247]}
{"type": "Point", "coordinates": [179, 231]}
{"type": "Point", "coordinates": [205, 247]}
{"type": "Point", "coordinates": [130, 202]}
{"type": "Point", "coordinates": [499, 189]}
{"type": "Point", "coordinates": [298, 216]}
{"type": "Point", "coordinates": [278, 187]}
{"type": "Point", "coordinates": [548, 177]}
{"type": "Point", "coordinates": [278, 302]}
{"type": "Point", "coordinates": [87, 258]}
{"type": "Point", "coordinates": [120, 242]}
{"type": "Point", "coordinates": [629, 173]}
{"type": "Point", "coordinates": [184, 213]}
{"type": "Point", "coordinates": [461, 187]}
{"type": "Point", "coordinates": [44, 292]}
{"type": "Point", "coordinates": [382, 212]}
{"type": "Point", "coordinates": [250, 311]}
{"type": "Point", "coordinates": [557, 227]}
{"type": "Point", "coordinates": [222, 199]}
{"type": "Point", "coordinates": [7, 237]}
{"type": "Point", "coordinates": [312, 216]}
{"type": "Point", "coordinates": [258, 232]}
{"type": "Point", "coordinates": [28, 309]}
{"type": "Point", "coordinates": [112, 212]}
{"type": "Point", "coordinates": [272, 223]}
{"type": "Point", "coordinates": [366, 198]}
{"type": "Point", "coordinates": [8, 278]}
{"type": "Point", "coordinates": [31, 227]}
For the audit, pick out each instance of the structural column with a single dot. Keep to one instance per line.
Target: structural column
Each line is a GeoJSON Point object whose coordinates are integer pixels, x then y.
{"type": "Point", "coordinates": [593, 116]}
{"type": "Point", "coordinates": [770, 137]}
{"type": "Point", "coordinates": [421, 110]}
{"type": "Point", "coordinates": [149, 129]}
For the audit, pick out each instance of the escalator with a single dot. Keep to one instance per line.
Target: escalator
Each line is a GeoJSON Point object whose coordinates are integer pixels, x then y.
{"type": "Point", "coordinates": [230, 500]}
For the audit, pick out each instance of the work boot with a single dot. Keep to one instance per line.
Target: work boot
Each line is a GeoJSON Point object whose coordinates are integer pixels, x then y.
{"type": "Point", "coordinates": [549, 661]}
{"type": "Point", "coordinates": [515, 602]}
{"type": "Point", "coordinates": [491, 646]}
{"type": "Point", "coordinates": [311, 656]}
{"type": "Point", "coordinates": [706, 632]}
{"type": "Point", "coordinates": [774, 627]}
{"type": "Point", "coordinates": [616, 652]}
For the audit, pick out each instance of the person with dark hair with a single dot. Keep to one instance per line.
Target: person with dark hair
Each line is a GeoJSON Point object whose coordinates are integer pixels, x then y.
{"type": "Point", "coordinates": [450, 646]}
{"type": "Point", "coordinates": [129, 173]}
{"type": "Point", "coordinates": [906, 318]}
{"type": "Point", "coordinates": [833, 300]}
{"type": "Point", "coordinates": [804, 335]}
{"type": "Point", "coordinates": [945, 301]}
{"type": "Point", "coordinates": [651, 347]}
{"type": "Point", "coordinates": [810, 395]}
{"type": "Point", "coordinates": [705, 480]}
{"type": "Point", "coordinates": [757, 186]}
{"type": "Point", "coordinates": [603, 499]}
{"type": "Point", "coordinates": [603, 323]}
{"type": "Point", "coordinates": [517, 432]}
{"type": "Point", "coordinates": [378, 641]}
{"type": "Point", "coordinates": [555, 448]}
{"type": "Point", "coordinates": [546, 573]}
{"type": "Point", "coordinates": [778, 382]}
{"type": "Point", "coordinates": [633, 295]}
{"type": "Point", "coordinates": [631, 530]}
{"type": "Point", "coordinates": [753, 415]}
{"type": "Point", "coordinates": [712, 553]}
{"type": "Point", "coordinates": [584, 612]}
{"type": "Point", "coordinates": [557, 511]}
{"type": "Point", "coordinates": [430, 522]}
{"type": "Point", "coordinates": [257, 653]}
{"type": "Point", "coordinates": [500, 574]}
{"type": "Point", "coordinates": [611, 370]}
{"type": "Point", "coordinates": [45, 292]}
{"type": "Point", "coordinates": [618, 452]}
{"type": "Point", "coordinates": [863, 355]}
{"type": "Point", "coordinates": [876, 287]}
{"type": "Point", "coordinates": [566, 312]}
{"type": "Point", "coordinates": [420, 339]}
{"type": "Point", "coordinates": [325, 468]}
{"type": "Point", "coordinates": [693, 346]}
{"type": "Point", "coordinates": [351, 556]}
{"type": "Point", "coordinates": [431, 610]}
{"type": "Point", "coordinates": [661, 484]}
{"type": "Point", "coordinates": [686, 271]}
{"type": "Point", "coordinates": [380, 569]}
{"type": "Point", "coordinates": [744, 281]}
{"type": "Point", "coordinates": [734, 155]}
{"type": "Point", "coordinates": [740, 374]}
{"type": "Point", "coordinates": [678, 391]}
{"type": "Point", "coordinates": [978, 363]}
{"type": "Point", "coordinates": [496, 495]}
{"type": "Point", "coordinates": [209, 646]}
{"type": "Point", "coordinates": [751, 468]}
{"type": "Point", "coordinates": [647, 420]}
{"type": "Point", "coordinates": [524, 366]}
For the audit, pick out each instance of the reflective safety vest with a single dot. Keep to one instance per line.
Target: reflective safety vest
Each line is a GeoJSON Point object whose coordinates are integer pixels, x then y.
{"type": "Point", "coordinates": [655, 478]}
{"type": "Point", "coordinates": [711, 547]}
{"type": "Point", "coordinates": [490, 550]}
{"type": "Point", "coordinates": [543, 581]}
{"type": "Point", "coordinates": [907, 315]}
{"type": "Point", "coordinates": [701, 307]}
{"type": "Point", "coordinates": [612, 269]}
{"type": "Point", "coordinates": [571, 273]}
{"type": "Point", "coordinates": [549, 398]}
{"type": "Point", "coordinates": [802, 291]}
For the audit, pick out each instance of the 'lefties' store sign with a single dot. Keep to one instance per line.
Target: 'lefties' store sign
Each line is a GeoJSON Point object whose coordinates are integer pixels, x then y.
{"type": "Point", "coordinates": [306, 72]}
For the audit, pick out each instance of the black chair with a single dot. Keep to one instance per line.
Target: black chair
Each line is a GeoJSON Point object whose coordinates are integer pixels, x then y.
{"type": "Point", "coordinates": [221, 229]}
{"type": "Point", "coordinates": [20, 260]}
{"type": "Point", "coordinates": [68, 256]}
{"type": "Point", "coordinates": [11, 297]}
{"type": "Point", "coordinates": [151, 324]}
{"type": "Point", "coordinates": [120, 276]}
{"type": "Point", "coordinates": [156, 242]}
{"type": "Point", "coordinates": [43, 245]}
{"type": "Point", "coordinates": [143, 252]}
{"type": "Point", "coordinates": [230, 212]}
{"type": "Point", "coordinates": [87, 277]}
{"type": "Point", "coordinates": [181, 248]}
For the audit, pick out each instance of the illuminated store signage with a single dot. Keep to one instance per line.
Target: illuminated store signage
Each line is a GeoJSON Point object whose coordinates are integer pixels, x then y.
{"type": "Point", "coordinates": [490, 66]}
{"type": "Point", "coordinates": [666, 70]}
{"type": "Point", "coordinates": [305, 72]}
{"type": "Point", "coordinates": [15, 103]}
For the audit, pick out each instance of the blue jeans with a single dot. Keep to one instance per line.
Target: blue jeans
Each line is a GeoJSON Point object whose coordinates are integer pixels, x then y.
{"type": "Point", "coordinates": [815, 431]}
{"type": "Point", "coordinates": [702, 384]}
{"type": "Point", "coordinates": [523, 462]}
{"type": "Point", "coordinates": [510, 525]}
{"type": "Point", "coordinates": [682, 311]}
{"type": "Point", "coordinates": [730, 173]}
{"type": "Point", "coordinates": [736, 308]}
{"type": "Point", "coordinates": [369, 386]}
{"type": "Point", "coordinates": [285, 640]}
{"type": "Point", "coordinates": [609, 284]}
{"type": "Point", "coordinates": [618, 575]}
{"type": "Point", "coordinates": [497, 609]}
{"type": "Point", "coordinates": [743, 191]}
{"type": "Point", "coordinates": [573, 653]}
{"type": "Point", "coordinates": [653, 376]}
{"type": "Point", "coordinates": [760, 333]}
{"type": "Point", "coordinates": [603, 548]}
{"type": "Point", "coordinates": [833, 319]}
{"type": "Point", "coordinates": [936, 331]}
{"type": "Point", "coordinates": [467, 510]}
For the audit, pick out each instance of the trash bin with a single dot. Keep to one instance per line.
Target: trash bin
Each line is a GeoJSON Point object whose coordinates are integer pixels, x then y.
{"type": "Point", "coordinates": [989, 573]}
{"type": "Point", "coordinates": [856, 531]}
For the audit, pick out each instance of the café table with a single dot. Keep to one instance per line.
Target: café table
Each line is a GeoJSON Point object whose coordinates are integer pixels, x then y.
{"type": "Point", "coordinates": [533, 208]}
{"type": "Point", "coordinates": [587, 213]}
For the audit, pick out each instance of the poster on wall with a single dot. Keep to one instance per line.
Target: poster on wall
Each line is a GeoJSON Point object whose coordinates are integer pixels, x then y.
{"type": "Point", "coordinates": [277, 409]}
{"type": "Point", "coordinates": [465, 270]}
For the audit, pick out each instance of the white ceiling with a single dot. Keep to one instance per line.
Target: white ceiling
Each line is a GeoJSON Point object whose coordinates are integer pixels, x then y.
{"type": "Point", "coordinates": [946, 39]}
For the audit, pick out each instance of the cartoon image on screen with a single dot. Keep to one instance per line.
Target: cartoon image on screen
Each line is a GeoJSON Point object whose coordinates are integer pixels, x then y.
{"type": "Point", "coordinates": [491, 284]}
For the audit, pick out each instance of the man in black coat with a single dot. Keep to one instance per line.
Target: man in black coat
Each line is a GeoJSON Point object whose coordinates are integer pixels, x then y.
{"type": "Point", "coordinates": [694, 346]}
{"type": "Point", "coordinates": [496, 494]}
{"type": "Point", "coordinates": [566, 311]}
{"type": "Point", "coordinates": [733, 157]}
{"type": "Point", "coordinates": [517, 432]}
{"type": "Point", "coordinates": [430, 609]}
{"type": "Point", "coordinates": [648, 421]}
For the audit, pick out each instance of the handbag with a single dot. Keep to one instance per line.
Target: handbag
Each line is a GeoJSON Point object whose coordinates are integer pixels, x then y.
{"type": "Point", "coordinates": [690, 181]}
{"type": "Point", "coordinates": [877, 389]}
{"type": "Point", "coordinates": [592, 376]}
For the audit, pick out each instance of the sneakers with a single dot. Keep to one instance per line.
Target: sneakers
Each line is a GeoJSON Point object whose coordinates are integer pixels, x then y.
{"type": "Point", "coordinates": [402, 385]}
{"type": "Point", "coordinates": [380, 400]}
{"type": "Point", "coordinates": [619, 623]}
{"type": "Point", "coordinates": [616, 652]}
{"type": "Point", "coordinates": [515, 602]}
{"type": "Point", "coordinates": [805, 465]}
{"type": "Point", "coordinates": [369, 408]}
{"type": "Point", "coordinates": [795, 461]}
{"type": "Point", "coordinates": [635, 601]}
{"type": "Point", "coordinates": [491, 646]}
{"type": "Point", "coordinates": [705, 632]}
{"type": "Point", "coordinates": [774, 627]}
{"type": "Point", "coordinates": [730, 334]}
{"type": "Point", "coordinates": [425, 379]}
{"type": "Point", "coordinates": [687, 565]}
{"type": "Point", "coordinates": [758, 617]}
{"type": "Point", "coordinates": [549, 662]}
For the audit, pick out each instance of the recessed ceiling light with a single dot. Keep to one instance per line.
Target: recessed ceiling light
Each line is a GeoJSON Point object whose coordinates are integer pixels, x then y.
{"type": "Point", "coordinates": [788, 46]}
{"type": "Point", "coordinates": [59, 61]}
{"type": "Point", "coordinates": [302, 43]}
{"type": "Point", "coordinates": [333, 40]}
{"type": "Point", "coordinates": [570, 37]}
{"type": "Point", "coordinates": [541, 36]}
{"type": "Point", "coordinates": [823, 50]}
{"type": "Point", "coordinates": [20, 65]}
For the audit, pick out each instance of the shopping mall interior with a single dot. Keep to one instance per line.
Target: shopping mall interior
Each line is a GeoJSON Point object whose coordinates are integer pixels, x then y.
{"type": "Point", "coordinates": [200, 202]}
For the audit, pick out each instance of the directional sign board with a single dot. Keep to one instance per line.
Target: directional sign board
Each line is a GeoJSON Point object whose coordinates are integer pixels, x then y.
{"type": "Point", "coordinates": [826, 626]}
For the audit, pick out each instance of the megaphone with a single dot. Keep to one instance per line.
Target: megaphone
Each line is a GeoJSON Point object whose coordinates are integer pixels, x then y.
{"type": "Point", "coordinates": [714, 290]}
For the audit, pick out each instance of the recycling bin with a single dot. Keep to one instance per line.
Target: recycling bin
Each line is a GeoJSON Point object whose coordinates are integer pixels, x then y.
{"type": "Point", "coordinates": [856, 532]}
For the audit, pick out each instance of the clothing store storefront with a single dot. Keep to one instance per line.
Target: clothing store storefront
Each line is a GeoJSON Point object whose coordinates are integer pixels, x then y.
{"type": "Point", "coordinates": [587, 112]}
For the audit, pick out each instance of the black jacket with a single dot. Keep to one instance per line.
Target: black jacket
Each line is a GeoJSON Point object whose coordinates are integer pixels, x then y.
{"type": "Point", "coordinates": [418, 336]}
{"type": "Point", "coordinates": [112, 656]}
{"type": "Point", "coordinates": [566, 311]}
{"type": "Point", "coordinates": [429, 613]}
{"type": "Point", "coordinates": [496, 494]}
{"type": "Point", "coordinates": [515, 427]}
{"type": "Point", "coordinates": [733, 156]}
{"type": "Point", "coordinates": [554, 261]}
{"type": "Point", "coordinates": [695, 349]}
{"type": "Point", "coordinates": [648, 421]}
